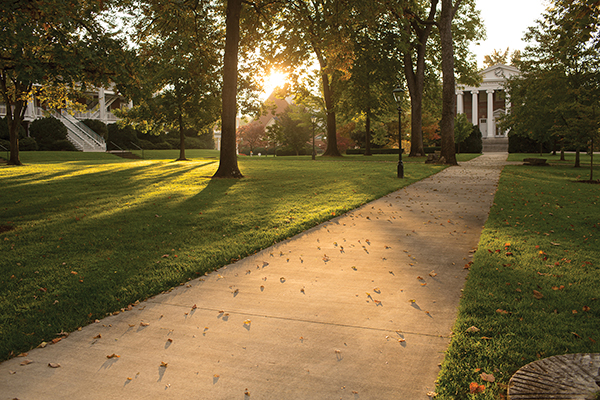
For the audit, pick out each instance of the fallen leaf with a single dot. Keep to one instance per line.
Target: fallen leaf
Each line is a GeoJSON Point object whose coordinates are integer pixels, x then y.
{"type": "Point", "coordinates": [26, 362]}
{"type": "Point", "coordinates": [432, 274]}
{"type": "Point", "coordinates": [487, 377]}
{"type": "Point", "coordinates": [113, 355]}
{"type": "Point", "coordinates": [401, 340]}
{"type": "Point", "coordinates": [586, 308]}
{"type": "Point", "coordinates": [473, 329]}
{"type": "Point", "coordinates": [144, 323]}
{"type": "Point", "coordinates": [54, 365]}
{"type": "Point", "coordinates": [98, 336]}
{"type": "Point", "coordinates": [537, 295]}
{"type": "Point", "coordinates": [474, 387]}
{"type": "Point", "coordinates": [500, 311]}
{"type": "Point", "coordinates": [247, 322]}
{"type": "Point", "coordinates": [163, 364]}
{"type": "Point", "coordinates": [170, 340]}
{"type": "Point", "coordinates": [194, 307]}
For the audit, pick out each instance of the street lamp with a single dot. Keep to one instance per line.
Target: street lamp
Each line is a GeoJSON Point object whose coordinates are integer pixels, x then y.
{"type": "Point", "coordinates": [398, 93]}
{"type": "Point", "coordinates": [313, 119]}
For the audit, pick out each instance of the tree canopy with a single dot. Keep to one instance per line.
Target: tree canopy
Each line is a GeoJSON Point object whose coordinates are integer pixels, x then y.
{"type": "Point", "coordinates": [56, 44]}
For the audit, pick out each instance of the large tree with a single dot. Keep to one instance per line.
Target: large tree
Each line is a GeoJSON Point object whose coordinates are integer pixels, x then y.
{"type": "Point", "coordinates": [366, 95]}
{"type": "Point", "coordinates": [55, 44]}
{"type": "Point", "coordinates": [179, 46]}
{"type": "Point", "coordinates": [560, 76]}
{"type": "Point", "coordinates": [320, 30]}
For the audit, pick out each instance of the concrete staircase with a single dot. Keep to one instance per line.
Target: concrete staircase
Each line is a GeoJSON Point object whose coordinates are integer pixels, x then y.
{"type": "Point", "coordinates": [495, 145]}
{"type": "Point", "coordinates": [82, 137]}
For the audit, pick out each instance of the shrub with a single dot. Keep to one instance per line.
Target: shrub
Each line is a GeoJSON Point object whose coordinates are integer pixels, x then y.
{"type": "Point", "coordinates": [162, 146]}
{"type": "Point", "coordinates": [146, 144]}
{"type": "Point", "coordinates": [121, 137]}
{"type": "Point", "coordinates": [4, 143]}
{"type": "Point", "coordinates": [62, 145]}
{"type": "Point", "coordinates": [28, 144]}
{"type": "Point", "coordinates": [47, 131]}
{"type": "Point", "coordinates": [4, 130]}
{"type": "Point", "coordinates": [522, 144]}
{"type": "Point", "coordinates": [473, 143]}
{"type": "Point", "coordinates": [97, 126]}
{"type": "Point", "coordinates": [174, 143]}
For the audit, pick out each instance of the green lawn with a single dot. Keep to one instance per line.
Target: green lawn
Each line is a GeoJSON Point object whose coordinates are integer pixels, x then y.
{"type": "Point", "coordinates": [92, 233]}
{"type": "Point", "coordinates": [534, 286]}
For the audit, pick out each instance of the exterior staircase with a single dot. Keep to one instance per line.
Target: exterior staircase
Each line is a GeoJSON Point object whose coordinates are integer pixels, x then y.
{"type": "Point", "coordinates": [82, 137]}
{"type": "Point", "coordinates": [495, 145]}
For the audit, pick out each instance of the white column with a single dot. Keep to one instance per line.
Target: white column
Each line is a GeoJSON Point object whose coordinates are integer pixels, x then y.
{"type": "Point", "coordinates": [491, 126]}
{"type": "Point", "coordinates": [475, 108]}
{"type": "Point", "coordinates": [460, 102]}
{"type": "Point", "coordinates": [102, 105]}
{"type": "Point", "coordinates": [30, 112]}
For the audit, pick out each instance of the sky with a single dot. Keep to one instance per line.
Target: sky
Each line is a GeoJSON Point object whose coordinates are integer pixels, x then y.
{"type": "Point", "coordinates": [506, 21]}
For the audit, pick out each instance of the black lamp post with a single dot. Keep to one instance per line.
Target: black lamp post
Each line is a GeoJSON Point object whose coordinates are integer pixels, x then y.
{"type": "Point", "coordinates": [398, 93]}
{"type": "Point", "coordinates": [313, 119]}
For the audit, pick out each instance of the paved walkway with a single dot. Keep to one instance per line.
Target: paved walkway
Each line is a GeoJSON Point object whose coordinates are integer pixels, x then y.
{"type": "Point", "coordinates": [360, 307]}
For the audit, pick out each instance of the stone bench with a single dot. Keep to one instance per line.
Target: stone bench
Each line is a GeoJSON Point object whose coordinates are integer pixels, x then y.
{"type": "Point", "coordinates": [535, 161]}
{"type": "Point", "coordinates": [569, 376]}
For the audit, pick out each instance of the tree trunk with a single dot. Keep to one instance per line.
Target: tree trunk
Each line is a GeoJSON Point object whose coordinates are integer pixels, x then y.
{"type": "Point", "coordinates": [562, 154]}
{"type": "Point", "coordinates": [332, 149]}
{"type": "Point", "coordinates": [448, 94]}
{"type": "Point", "coordinates": [577, 160]}
{"type": "Point", "coordinates": [368, 133]}
{"type": "Point", "coordinates": [416, 82]}
{"type": "Point", "coordinates": [181, 139]}
{"type": "Point", "coordinates": [228, 167]}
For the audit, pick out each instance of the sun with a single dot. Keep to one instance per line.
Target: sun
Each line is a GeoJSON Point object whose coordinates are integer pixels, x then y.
{"type": "Point", "coordinates": [275, 79]}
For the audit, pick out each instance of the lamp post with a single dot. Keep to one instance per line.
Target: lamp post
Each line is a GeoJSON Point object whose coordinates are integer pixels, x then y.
{"type": "Point", "coordinates": [313, 119]}
{"type": "Point", "coordinates": [398, 93]}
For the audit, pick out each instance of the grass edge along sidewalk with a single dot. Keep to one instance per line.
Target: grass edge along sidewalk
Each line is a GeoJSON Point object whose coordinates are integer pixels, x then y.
{"type": "Point", "coordinates": [532, 290]}
{"type": "Point", "coordinates": [93, 235]}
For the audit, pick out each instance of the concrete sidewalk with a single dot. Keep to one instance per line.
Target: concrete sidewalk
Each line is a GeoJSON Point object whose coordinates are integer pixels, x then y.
{"type": "Point", "coordinates": [360, 307]}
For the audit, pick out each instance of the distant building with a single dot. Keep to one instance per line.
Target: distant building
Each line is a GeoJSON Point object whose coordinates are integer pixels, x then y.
{"type": "Point", "coordinates": [485, 104]}
{"type": "Point", "coordinates": [100, 104]}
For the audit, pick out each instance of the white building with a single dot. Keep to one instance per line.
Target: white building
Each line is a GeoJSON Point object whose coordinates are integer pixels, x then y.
{"type": "Point", "coordinates": [100, 104]}
{"type": "Point", "coordinates": [485, 104]}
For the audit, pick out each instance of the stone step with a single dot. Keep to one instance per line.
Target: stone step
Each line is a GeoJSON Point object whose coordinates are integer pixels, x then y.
{"type": "Point", "coordinates": [495, 145]}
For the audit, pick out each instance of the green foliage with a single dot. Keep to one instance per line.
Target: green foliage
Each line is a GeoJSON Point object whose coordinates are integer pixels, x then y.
{"type": "Point", "coordinates": [97, 126]}
{"type": "Point", "coordinates": [180, 44]}
{"type": "Point", "coordinates": [523, 144]}
{"type": "Point", "coordinates": [294, 125]}
{"type": "Point", "coordinates": [541, 236]}
{"type": "Point", "coordinates": [28, 144]}
{"type": "Point", "coordinates": [462, 128]}
{"type": "Point", "coordinates": [557, 96]}
{"type": "Point", "coordinates": [4, 134]}
{"type": "Point", "coordinates": [62, 45]}
{"type": "Point", "coordinates": [49, 133]}
{"type": "Point", "coordinates": [121, 137]}
{"type": "Point", "coordinates": [473, 143]}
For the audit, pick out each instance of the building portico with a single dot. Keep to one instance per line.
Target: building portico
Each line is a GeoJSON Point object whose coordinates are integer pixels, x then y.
{"type": "Point", "coordinates": [485, 104]}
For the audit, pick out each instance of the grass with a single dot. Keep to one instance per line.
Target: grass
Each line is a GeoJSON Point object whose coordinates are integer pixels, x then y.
{"type": "Point", "coordinates": [532, 290]}
{"type": "Point", "coordinates": [92, 233]}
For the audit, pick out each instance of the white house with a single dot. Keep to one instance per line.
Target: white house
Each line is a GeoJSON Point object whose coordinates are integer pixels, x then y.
{"type": "Point", "coordinates": [483, 105]}
{"type": "Point", "coordinates": [100, 103]}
